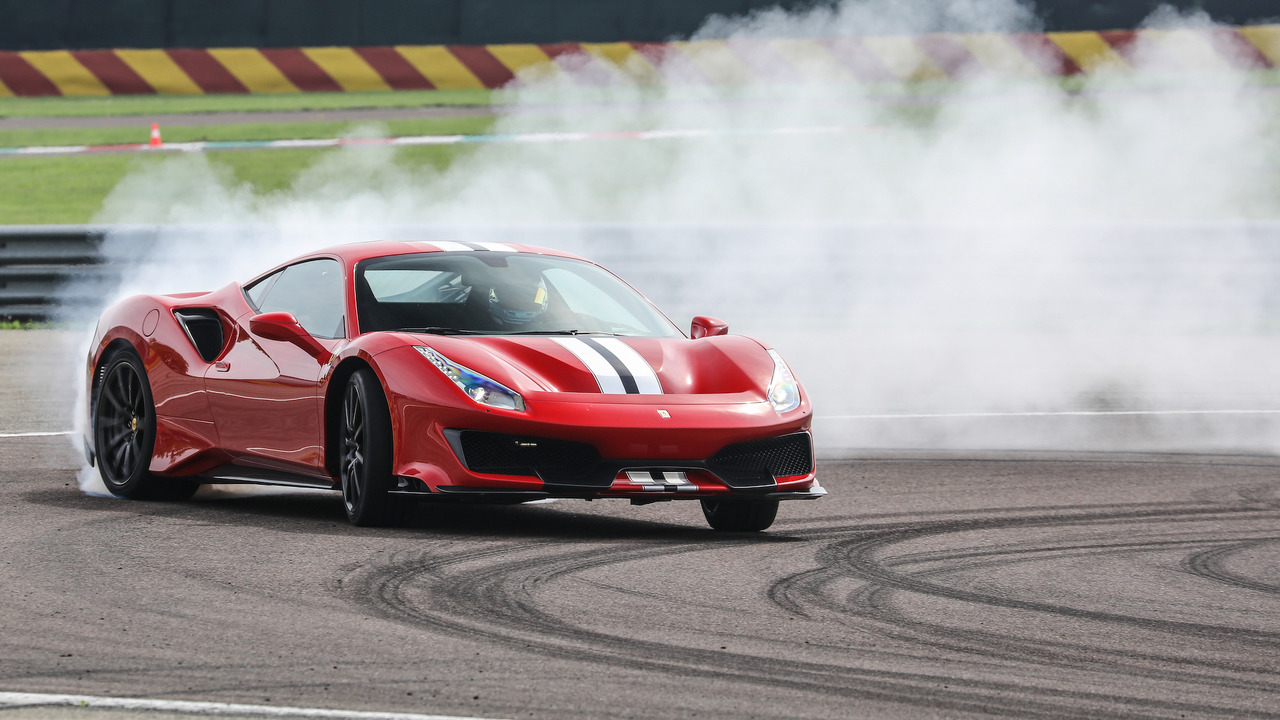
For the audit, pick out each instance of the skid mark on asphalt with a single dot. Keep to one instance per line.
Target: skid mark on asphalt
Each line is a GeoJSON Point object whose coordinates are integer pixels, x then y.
{"type": "Point", "coordinates": [934, 599]}
{"type": "Point", "coordinates": [870, 581]}
{"type": "Point", "coordinates": [1212, 564]}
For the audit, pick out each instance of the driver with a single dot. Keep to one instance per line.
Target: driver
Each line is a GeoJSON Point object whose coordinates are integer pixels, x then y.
{"type": "Point", "coordinates": [518, 302]}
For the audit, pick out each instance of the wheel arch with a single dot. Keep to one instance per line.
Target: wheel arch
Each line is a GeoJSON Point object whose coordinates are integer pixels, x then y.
{"type": "Point", "coordinates": [333, 406]}
{"type": "Point", "coordinates": [109, 352]}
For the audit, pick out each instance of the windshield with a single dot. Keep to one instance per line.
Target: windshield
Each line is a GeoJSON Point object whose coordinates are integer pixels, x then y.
{"type": "Point", "coordinates": [495, 293]}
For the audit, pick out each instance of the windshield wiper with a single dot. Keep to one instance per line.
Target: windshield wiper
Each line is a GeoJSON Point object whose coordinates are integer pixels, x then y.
{"type": "Point", "coordinates": [440, 331]}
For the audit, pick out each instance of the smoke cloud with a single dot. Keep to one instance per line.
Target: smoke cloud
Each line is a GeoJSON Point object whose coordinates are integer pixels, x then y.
{"type": "Point", "coordinates": [994, 263]}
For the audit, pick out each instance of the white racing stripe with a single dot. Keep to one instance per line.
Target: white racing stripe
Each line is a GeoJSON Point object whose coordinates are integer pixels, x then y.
{"type": "Point", "coordinates": [617, 367]}
{"type": "Point", "coordinates": [606, 376]}
{"type": "Point", "coordinates": [450, 246]}
{"type": "Point", "coordinates": [646, 379]}
{"type": "Point", "coordinates": [18, 699]}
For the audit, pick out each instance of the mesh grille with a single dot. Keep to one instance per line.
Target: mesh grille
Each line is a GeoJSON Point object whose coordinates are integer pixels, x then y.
{"type": "Point", "coordinates": [764, 460]}
{"type": "Point", "coordinates": [555, 461]}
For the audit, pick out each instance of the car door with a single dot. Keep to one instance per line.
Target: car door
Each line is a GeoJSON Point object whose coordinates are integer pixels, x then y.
{"type": "Point", "coordinates": [265, 394]}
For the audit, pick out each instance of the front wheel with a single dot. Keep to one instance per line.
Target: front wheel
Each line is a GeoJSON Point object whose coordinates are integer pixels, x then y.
{"type": "Point", "coordinates": [739, 515]}
{"type": "Point", "coordinates": [364, 446]}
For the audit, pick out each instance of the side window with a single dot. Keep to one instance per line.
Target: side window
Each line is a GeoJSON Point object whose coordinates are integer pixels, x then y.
{"type": "Point", "coordinates": [257, 292]}
{"type": "Point", "coordinates": [311, 290]}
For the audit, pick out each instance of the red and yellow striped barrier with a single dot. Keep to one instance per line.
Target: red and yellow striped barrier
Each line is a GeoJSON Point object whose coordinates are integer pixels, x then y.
{"type": "Point", "coordinates": [423, 67]}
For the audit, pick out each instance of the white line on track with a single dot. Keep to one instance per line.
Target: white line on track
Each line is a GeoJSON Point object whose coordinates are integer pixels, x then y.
{"type": "Point", "coordinates": [10, 700]}
{"type": "Point", "coordinates": [36, 434]}
{"type": "Point", "coordinates": [1062, 413]}
{"type": "Point", "coordinates": [539, 137]}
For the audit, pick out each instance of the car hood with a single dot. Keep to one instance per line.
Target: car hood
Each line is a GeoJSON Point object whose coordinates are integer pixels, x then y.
{"type": "Point", "coordinates": [620, 368]}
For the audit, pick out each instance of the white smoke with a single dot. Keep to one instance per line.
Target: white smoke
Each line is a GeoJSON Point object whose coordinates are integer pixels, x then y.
{"type": "Point", "coordinates": [962, 252]}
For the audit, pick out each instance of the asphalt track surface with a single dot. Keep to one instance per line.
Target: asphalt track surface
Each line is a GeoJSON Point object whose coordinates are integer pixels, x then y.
{"type": "Point", "coordinates": [926, 585]}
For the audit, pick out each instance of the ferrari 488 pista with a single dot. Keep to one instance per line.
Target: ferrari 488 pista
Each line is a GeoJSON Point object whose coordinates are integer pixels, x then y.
{"type": "Point", "coordinates": [397, 372]}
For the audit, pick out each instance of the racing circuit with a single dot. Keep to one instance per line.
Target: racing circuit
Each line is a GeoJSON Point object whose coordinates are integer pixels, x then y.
{"type": "Point", "coordinates": [1049, 443]}
{"type": "Point", "coordinates": [1027, 584]}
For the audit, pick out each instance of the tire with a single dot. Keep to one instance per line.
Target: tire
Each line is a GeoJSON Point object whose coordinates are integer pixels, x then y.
{"type": "Point", "coordinates": [364, 452]}
{"type": "Point", "coordinates": [124, 434]}
{"type": "Point", "coordinates": [739, 515]}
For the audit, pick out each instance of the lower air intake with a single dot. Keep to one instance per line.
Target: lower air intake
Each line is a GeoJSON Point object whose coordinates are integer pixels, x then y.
{"type": "Point", "coordinates": [760, 461]}
{"type": "Point", "coordinates": [554, 461]}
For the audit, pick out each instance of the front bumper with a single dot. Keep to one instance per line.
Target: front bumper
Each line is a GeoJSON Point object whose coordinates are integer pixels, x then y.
{"type": "Point", "coordinates": [501, 467]}
{"type": "Point", "coordinates": [752, 466]}
{"type": "Point", "coordinates": [584, 445]}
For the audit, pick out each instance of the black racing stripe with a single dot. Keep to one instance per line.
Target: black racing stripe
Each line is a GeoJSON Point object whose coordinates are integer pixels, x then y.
{"type": "Point", "coordinates": [657, 476]}
{"type": "Point", "coordinates": [474, 246]}
{"type": "Point", "coordinates": [628, 380]}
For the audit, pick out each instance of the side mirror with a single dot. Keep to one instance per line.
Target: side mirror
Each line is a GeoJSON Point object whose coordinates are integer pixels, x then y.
{"type": "Point", "coordinates": [704, 326]}
{"type": "Point", "coordinates": [285, 327]}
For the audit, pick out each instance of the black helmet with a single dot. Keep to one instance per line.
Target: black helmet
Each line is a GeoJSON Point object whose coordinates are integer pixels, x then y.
{"type": "Point", "coordinates": [518, 302]}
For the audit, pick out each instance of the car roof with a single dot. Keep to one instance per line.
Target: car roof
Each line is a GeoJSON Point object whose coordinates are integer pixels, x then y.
{"type": "Point", "coordinates": [352, 253]}
{"type": "Point", "coordinates": [355, 252]}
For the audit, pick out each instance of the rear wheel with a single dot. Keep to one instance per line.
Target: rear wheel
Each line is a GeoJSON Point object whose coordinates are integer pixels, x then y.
{"type": "Point", "coordinates": [364, 446]}
{"type": "Point", "coordinates": [739, 515]}
{"type": "Point", "coordinates": [124, 433]}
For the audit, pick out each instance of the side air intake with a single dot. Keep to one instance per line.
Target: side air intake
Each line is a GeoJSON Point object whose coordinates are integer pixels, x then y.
{"type": "Point", "coordinates": [204, 329]}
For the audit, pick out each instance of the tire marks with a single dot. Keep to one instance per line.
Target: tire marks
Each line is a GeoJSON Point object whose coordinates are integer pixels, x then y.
{"type": "Point", "coordinates": [1212, 564]}
{"type": "Point", "coordinates": [889, 574]}
{"type": "Point", "coordinates": [917, 586]}
{"type": "Point", "coordinates": [496, 603]}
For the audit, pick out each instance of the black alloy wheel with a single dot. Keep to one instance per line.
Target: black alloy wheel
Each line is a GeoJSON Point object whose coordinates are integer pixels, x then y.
{"type": "Point", "coordinates": [124, 433]}
{"type": "Point", "coordinates": [364, 447]}
{"type": "Point", "coordinates": [739, 515]}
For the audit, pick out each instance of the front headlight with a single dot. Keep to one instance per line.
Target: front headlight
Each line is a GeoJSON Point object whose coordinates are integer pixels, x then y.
{"type": "Point", "coordinates": [784, 391]}
{"type": "Point", "coordinates": [477, 387]}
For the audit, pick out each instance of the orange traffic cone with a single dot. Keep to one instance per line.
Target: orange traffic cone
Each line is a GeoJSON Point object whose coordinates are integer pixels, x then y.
{"type": "Point", "coordinates": [155, 135]}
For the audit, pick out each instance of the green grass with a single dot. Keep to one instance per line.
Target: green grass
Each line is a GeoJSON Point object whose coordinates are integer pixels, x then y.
{"type": "Point", "coordinates": [71, 189]}
{"type": "Point", "coordinates": [45, 190]}
{"type": "Point", "coordinates": [172, 104]}
{"type": "Point", "coordinates": [30, 325]}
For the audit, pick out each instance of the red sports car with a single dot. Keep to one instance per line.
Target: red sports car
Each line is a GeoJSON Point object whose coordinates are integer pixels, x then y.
{"type": "Point", "coordinates": [444, 371]}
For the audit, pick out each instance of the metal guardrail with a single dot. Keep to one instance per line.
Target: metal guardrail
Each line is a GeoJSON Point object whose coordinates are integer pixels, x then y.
{"type": "Point", "coordinates": [40, 267]}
